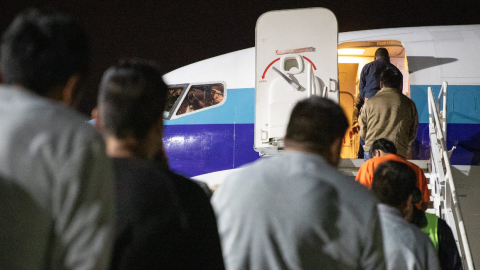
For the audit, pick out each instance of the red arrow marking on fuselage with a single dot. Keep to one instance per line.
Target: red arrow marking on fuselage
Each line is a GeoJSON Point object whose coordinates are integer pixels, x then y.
{"type": "Point", "coordinates": [263, 76]}
{"type": "Point", "coordinates": [314, 67]}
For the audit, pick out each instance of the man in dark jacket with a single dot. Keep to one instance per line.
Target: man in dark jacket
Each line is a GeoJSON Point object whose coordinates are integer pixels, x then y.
{"type": "Point", "coordinates": [370, 85]}
{"type": "Point", "coordinates": [164, 221]}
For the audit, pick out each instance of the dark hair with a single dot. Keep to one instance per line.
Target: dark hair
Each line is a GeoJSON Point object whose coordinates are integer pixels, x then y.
{"type": "Point", "coordinates": [393, 182]}
{"type": "Point", "coordinates": [382, 53]}
{"type": "Point", "coordinates": [384, 145]}
{"type": "Point", "coordinates": [391, 78]}
{"type": "Point", "coordinates": [42, 51]}
{"type": "Point", "coordinates": [316, 122]}
{"type": "Point", "coordinates": [132, 97]}
{"type": "Point", "coordinates": [417, 196]}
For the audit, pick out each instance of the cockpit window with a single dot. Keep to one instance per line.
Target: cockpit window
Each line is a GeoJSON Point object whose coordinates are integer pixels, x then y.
{"type": "Point", "coordinates": [174, 94]}
{"type": "Point", "coordinates": [202, 96]}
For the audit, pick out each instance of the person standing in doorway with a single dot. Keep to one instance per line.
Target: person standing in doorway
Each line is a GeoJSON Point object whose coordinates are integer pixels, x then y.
{"type": "Point", "coordinates": [389, 115]}
{"type": "Point", "coordinates": [369, 85]}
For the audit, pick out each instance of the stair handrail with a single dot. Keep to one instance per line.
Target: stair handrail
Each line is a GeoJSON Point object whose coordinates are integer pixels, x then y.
{"type": "Point", "coordinates": [441, 163]}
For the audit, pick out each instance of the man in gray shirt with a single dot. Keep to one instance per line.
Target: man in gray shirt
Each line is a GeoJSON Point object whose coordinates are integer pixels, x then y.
{"type": "Point", "coordinates": [56, 182]}
{"type": "Point", "coordinates": [406, 246]}
{"type": "Point", "coordinates": [295, 210]}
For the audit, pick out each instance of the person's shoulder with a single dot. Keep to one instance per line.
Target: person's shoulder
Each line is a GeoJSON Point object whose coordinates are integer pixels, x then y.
{"type": "Point", "coordinates": [69, 117]}
{"type": "Point", "coordinates": [419, 238]}
{"type": "Point", "coordinates": [350, 184]}
{"type": "Point", "coordinates": [185, 186]}
{"type": "Point", "coordinates": [412, 103]}
{"type": "Point", "coordinates": [407, 102]}
{"type": "Point", "coordinates": [251, 171]}
{"type": "Point", "coordinates": [393, 157]}
{"type": "Point", "coordinates": [374, 161]}
{"type": "Point", "coordinates": [392, 66]}
{"type": "Point", "coordinates": [372, 104]}
{"type": "Point", "coordinates": [356, 200]}
{"type": "Point", "coordinates": [441, 223]}
{"type": "Point", "coordinates": [414, 166]}
{"type": "Point", "coordinates": [59, 126]}
{"type": "Point", "coordinates": [136, 165]}
{"type": "Point", "coordinates": [138, 172]}
{"type": "Point", "coordinates": [368, 65]}
{"type": "Point", "coordinates": [366, 166]}
{"type": "Point", "coordinates": [148, 171]}
{"type": "Point", "coordinates": [47, 106]}
{"type": "Point", "coordinates": [351, 191]}
{"type": "Point", "coordinates": [406, 98]}
{"type": "Point", "coordinates": [387, 157]}
{"type": "Point", "coordinates": [139, 175]}
{"type": "Point", "coordinates": [61, 119]}
{"type": "Point", "coordinates": [408, 235]}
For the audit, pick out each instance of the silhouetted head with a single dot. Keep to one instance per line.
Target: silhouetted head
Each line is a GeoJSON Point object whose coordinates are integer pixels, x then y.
{"type": "Point", "coordinates": [132, 98]}
{"type": "Point", "coordinates": [384, 145]}
{"type": "Point", "coordinates": [417, 196]}
{"type": "Point", "coordinates": [391, 78]}
{"type": "Point", "coordinates": [317, 125]}
{"type": "Point", "coordinates": [42, 52]}
{"type": "Point", "coordinates": [393, 183]}
{"type": "Point", "coordinates": [382, 53]}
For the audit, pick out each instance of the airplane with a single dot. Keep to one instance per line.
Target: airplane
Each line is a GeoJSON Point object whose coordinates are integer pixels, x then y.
{"type": "Point", "coordinates": [229, 110]}
{"type": "Point", "coordinates": [220, 136]}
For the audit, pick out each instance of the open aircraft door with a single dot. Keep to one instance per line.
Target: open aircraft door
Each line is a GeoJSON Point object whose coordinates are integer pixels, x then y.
{"type": "Point", "coordinates": [296, 57]}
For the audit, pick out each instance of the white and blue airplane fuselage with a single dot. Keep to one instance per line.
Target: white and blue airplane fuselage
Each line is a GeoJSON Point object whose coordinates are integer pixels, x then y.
{"type": "Point", "coordinates": [220, 136]}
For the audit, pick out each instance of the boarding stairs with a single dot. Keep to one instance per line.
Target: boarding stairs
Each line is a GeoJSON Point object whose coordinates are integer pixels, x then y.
{"type": "Point", "coordinates": [446, 202]}
{"type": "Point", "coordinates": [444, 195]}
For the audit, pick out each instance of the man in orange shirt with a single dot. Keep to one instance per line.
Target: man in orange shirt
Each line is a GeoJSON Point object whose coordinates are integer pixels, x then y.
{"type": "Point", "coordinates": [381, 151]}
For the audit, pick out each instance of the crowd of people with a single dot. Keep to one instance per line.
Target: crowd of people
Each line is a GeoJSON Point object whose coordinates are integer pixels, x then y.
{"type": "Point", "coordinates": [76, 196]}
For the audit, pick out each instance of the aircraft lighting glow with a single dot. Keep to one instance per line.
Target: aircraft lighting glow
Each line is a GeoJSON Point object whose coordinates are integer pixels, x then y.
{"type": "Point", "coordinates": [351, 51]}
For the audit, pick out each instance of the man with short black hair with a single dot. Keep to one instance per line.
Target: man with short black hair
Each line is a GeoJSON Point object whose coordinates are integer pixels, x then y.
{"type": "Point", "coordinates": [382, 147]}
{"type": "Point", "coordinates": [295, 210]}
{"type": "Point", "coordinates": [383, 150]}
{"type": "Point", "coordinates": [406, 247]}
{"type": "Point", "coordinates": [164, 221]}
{"type": "Point", "coordinates": [390, 115]}
{"type": "Point", "coordinates": [370, 75]}
{"type": "Point", "coordinates": [56, 185]}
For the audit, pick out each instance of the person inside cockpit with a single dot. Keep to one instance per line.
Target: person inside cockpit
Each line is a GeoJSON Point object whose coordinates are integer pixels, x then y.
{"type": "Point", "coordinates": [217, 95]}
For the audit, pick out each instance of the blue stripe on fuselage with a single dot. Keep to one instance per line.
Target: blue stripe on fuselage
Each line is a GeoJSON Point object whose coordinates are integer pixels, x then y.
{"type": "Point", "coordinates": [463, 128]}
{"type": "Point", "coordinates": [463, 102]}
{"type": "Point", "coordinates": [466, 138]}
{"type": "Point", "coordinates": [239, 107]}
{"type": "Point", "coordinates": [199, 149]}
{"type": "Point", "coordinates": [221, 138]}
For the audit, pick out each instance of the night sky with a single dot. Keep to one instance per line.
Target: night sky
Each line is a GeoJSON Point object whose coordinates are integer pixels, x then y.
{"type": "Point", "coordinates": [176, 33]}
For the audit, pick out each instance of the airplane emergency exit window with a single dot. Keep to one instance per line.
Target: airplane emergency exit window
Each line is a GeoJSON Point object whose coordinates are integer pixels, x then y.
{"type": "Point", "coordinates": [202, 96]}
